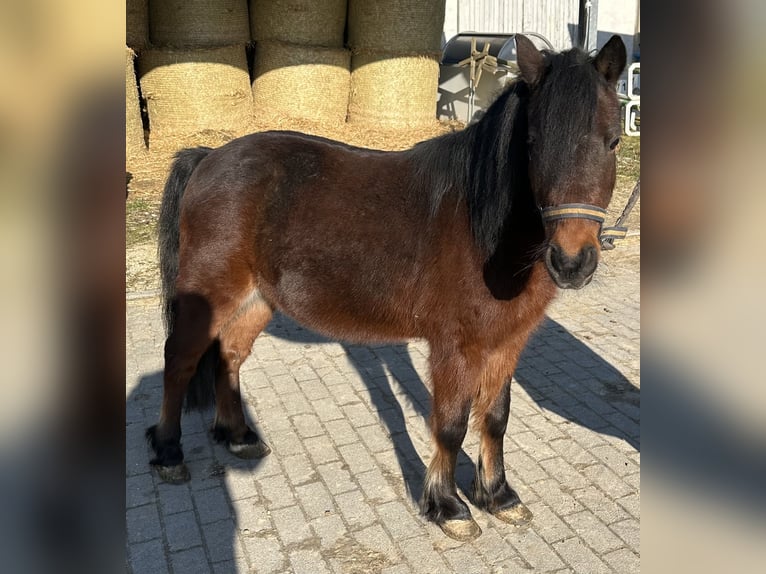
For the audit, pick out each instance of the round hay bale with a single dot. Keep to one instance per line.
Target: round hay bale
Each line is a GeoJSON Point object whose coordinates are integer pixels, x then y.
{"type": "Point", "coordinates": [310, 22]}
{"type": "Point", "coordinates": [189, 91]}
{"type": "Point", "coordinates": [135, 146]}
{"type": "Point", "coordinates": [393, 91]}
{"type": "Point", "coordinates": [198, 23]}
{"type": "Point", "coordinates": [137, 23]}
{"type": "Point", "coordinates": [403, 26]}
{"type": "Point", "coordinates": [302, 81]}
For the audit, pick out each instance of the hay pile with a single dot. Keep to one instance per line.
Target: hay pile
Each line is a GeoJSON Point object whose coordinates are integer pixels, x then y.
{"type": "Point", "coordinates": [137, 24]}
{"type": "Point", "coordinates": [198, 23]}
{"type": "Point", "coordinates": [394, 91]}
{"type": "Point", "coordinates": [398, 26]}
{"type": "Point", "coordinates": [135, 146]}
{"type": "Point", "coordinates": [301, 81]}
{"type": "Point", "coordinates": [193, 90]}
{"type": "Point", "coordinates": [195, 78]}
{"type": "Point", "coordinates": [300, 68]}
{"type": "Point", "coordinates": [307, 22]}
{"type": "Point", "coordinates": [395, 63]}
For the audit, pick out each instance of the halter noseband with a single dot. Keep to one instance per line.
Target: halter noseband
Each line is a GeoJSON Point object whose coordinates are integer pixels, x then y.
{"type": "Point", "coordinates": [584, 211]}
{"type": "Point", "coordinates": [574, 211]}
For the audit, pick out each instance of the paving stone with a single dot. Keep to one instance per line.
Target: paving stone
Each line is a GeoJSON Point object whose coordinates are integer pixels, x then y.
{"type": "Point", "coordinates": [623, 561]}
{"type": "Point", "coordinates": [630, 531]}
{"type": "Point", "coordinates": [336, 477]}
{"type": "Point", "coordinates": [266, 553]}
{"type": "Point", "coordinates": [276, 491]}
{"type": "Point", "coordinates": [308, 562]}
{"type": "Point", "coordinates": [535, 550]}
{"type": "Point", "coordinates": [212, 504]}
{"type": "Point", "coordinates": [329, 529]}
{"type": "Point", "coordinates": [139, 490]}
{"type": "Point", "coordinates": [580, 557]}
{"type": "Point", "coordinates": [192, 561]}
{"type": "Point", "coordinates": [143, 523]}
{"type": "Point", "coordinates": [291, 525]}
{"type": "Point", "coordinates": [220, 540]}
{"type": "Point", "coordinates": [182, 531]}
{"type": "Point", "coordinates": [315, 500]}
{"type": "Point", "coordinates": [593, 532]}
{"type": "Point", "coordinates": [148, 557]}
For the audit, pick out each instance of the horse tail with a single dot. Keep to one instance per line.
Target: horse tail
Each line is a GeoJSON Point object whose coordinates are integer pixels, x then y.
{"type": "Point", "coordinates": [201, 389]}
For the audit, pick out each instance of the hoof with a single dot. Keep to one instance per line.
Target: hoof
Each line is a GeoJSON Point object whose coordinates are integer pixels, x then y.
{"type": "Point", "coordinates": [518, 514]}
{"type": "Point", "coordinates": [249, 450]}
{"type": "Point", "coordinates": [176, 474]}
{"type": "Point", "coordinates": [462, 530]}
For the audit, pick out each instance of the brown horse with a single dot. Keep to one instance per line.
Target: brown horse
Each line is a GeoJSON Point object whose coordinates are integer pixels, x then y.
{"type": "Point", "coordinates": [461, 240]}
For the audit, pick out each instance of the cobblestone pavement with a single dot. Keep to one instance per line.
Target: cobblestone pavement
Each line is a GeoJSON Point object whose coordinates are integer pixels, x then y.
{"type": "Point", "coordinates": [348, 429]}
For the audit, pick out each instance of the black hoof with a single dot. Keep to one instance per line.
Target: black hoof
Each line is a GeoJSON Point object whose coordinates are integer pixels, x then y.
{"type": "Point", "coordinates": [177, 474]}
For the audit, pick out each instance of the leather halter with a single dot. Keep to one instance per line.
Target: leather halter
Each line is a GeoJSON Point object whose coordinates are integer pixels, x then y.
{"type": "Point", "coordinates": [584, 211]}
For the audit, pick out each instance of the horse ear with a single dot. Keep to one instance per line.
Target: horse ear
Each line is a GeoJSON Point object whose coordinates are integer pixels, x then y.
{"type": "Point", "coordinates": [610, 61]}
{"type": "Point", "coordinates": [530, 59]}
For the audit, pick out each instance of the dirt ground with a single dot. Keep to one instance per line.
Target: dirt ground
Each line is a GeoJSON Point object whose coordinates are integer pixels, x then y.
{"type": "Point", "coordinates": [147, 178]}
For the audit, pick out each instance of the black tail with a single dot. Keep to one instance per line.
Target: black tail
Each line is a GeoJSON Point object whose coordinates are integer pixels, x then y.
{"type": "Point", "coordinates": [201, 390]}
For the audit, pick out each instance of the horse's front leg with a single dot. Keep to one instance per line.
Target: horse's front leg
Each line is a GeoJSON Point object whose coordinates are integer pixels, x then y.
{"type": "Point", "coordinates": [454, 383]}
{"type": "Point", "coordinates": [491, 490]}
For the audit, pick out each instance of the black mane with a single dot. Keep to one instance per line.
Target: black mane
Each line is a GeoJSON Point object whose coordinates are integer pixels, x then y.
{"type": "Point", "coordinates": [486, 165]}
{"type": "Point", "coordinates": [481, 164]}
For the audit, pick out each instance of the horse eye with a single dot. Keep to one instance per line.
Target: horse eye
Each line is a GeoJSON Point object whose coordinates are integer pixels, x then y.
{"type": "Point", "coordinates": [614, 143]}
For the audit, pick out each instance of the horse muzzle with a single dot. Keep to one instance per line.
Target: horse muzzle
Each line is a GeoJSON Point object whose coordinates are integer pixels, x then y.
{"type": "Point", "coordinates": [572, 267]}
{"type": "Point", "coordinates": [571, 271]}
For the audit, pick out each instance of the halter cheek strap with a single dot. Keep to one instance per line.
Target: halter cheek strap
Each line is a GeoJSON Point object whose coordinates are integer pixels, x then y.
{"type": "Point", "coordinates": [584, 211]}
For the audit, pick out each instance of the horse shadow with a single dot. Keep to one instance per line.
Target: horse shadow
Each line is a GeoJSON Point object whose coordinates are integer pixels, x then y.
{"type": "Point", "coordinates": [372, 363]}
{"type": "Point", "coordinates": [561, 388]}
{"type": "Point", "coordinates": [200, 511]}
{"type": "Point", "coordinates": [568, 379]}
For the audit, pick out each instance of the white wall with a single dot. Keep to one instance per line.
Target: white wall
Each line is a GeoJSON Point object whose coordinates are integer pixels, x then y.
{"type": "Point", "coordinates": [618, 17]}
{"type": "Point", "coordinates": [614, 17]}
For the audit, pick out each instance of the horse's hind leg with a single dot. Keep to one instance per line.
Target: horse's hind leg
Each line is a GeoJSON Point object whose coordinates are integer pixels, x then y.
{"type": "Point", "coordinates": [455, 378]}
{"type": "Point", "coordinates": [188, 341]}
{"type": "Point", "coordinates": [237, 339]}
{"type": "Point", "coordinates": [491, 490]}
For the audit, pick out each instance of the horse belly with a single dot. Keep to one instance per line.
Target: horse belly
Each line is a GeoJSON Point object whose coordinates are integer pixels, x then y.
{"type": "Point", "coordinates": [346, 312]}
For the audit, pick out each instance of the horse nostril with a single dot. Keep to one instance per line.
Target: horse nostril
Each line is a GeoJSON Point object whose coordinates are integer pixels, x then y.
{"type": "Point", "coordinates": [588, 259]}
{"type": "Point", "coordinates": [554, 256]}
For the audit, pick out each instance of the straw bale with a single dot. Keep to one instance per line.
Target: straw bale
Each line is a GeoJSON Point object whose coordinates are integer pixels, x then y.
{"type": "Point", "coordinates": [302, 81]}
{"type": "Point", "coordinates": [309, 22]}
{"type": "Point", "coordinates": [404, 26]}
{"type": "Point", "coordinates": [393, 91]}
{"type": "Point", "coordinates": [198, 23]}
{"type": "Point", "coordinates": [135, 146]}
{"type": "Point", "coordinates": [137, 23]}
{"type": "Point", "coordinates": [189, 91]}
